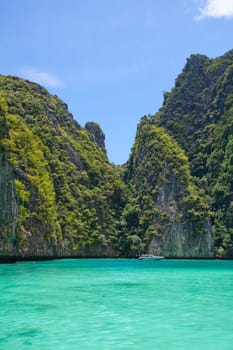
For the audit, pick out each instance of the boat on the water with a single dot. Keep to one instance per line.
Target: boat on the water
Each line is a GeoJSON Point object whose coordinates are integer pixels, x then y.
{"type": "Point", "coordinates": [150, 257]}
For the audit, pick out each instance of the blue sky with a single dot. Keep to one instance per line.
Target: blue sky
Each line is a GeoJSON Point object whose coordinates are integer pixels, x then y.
{"type": "Point", "coordinates": [110, 60]}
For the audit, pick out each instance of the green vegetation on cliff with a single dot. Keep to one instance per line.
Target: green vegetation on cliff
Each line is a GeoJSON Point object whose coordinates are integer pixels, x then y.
{"type": "Point", "coordinates": [60, 196]}
{"type": "Point", "coordinates": [162, 198]}
{"type": "Point", "coordinates": [66, 189]}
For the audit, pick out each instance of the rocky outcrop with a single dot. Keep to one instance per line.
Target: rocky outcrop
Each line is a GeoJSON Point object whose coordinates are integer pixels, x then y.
{"type": "Point", "coordinates": [96, 134]}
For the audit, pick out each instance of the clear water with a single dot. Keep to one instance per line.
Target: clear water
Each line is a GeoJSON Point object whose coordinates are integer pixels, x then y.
{"type": "Point", "coordinates": [116, 304]}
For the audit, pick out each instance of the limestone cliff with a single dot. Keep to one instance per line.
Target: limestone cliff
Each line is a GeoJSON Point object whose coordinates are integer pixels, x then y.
{"type": "Point", "coordinates": [58, 191]}
{"type": "Point", "coordinates": [166, 213]}
{"type": "Point", "coordinates": [198, 113]}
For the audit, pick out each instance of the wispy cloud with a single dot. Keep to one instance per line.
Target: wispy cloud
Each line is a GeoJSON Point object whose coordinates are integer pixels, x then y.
{"type": "Point", "coordinates": [41, 77]}
{"type": "Point", "coordinates": [216, 9]}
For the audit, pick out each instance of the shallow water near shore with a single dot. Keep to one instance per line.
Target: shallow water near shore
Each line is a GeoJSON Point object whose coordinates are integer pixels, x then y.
{"type": "Point", "coordinates": [125, 304]}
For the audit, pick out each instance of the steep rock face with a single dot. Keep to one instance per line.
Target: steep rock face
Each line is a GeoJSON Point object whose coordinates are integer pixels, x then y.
{"type": "Point", "coordinates": [166, 214]}
{"type": "Point", "coordinates": [8, 208]}
{"type": "Point", "coordinates": [180, 239]}
{"type": "Point", "coordinates": [8, 204]}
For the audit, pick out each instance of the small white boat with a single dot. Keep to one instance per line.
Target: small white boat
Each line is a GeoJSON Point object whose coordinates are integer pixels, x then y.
{"type": "Point", "coordinates": [150, 257]}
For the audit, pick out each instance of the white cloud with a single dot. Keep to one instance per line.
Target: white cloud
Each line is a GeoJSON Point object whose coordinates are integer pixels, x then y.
{"type": "Point", "coordinates": [216, 9]}
{"type": "Point", "coordinates": [41, 77]}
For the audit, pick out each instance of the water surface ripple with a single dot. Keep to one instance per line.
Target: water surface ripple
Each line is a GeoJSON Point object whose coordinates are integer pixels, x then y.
{"type": "Point", "coordinates": [112, 304]}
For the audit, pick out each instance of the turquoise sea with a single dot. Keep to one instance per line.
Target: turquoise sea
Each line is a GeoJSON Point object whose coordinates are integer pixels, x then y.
{"type": "Point", "coordinates": [108, 304]}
